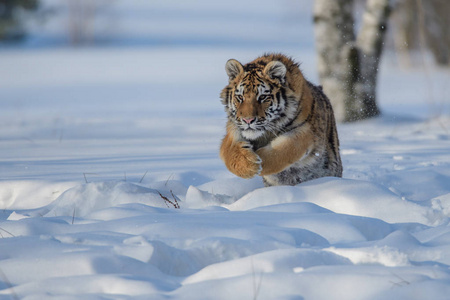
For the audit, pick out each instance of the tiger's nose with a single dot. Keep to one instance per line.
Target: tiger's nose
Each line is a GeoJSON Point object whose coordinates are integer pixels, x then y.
{"type": "Point", "coordinates": [248, 120]}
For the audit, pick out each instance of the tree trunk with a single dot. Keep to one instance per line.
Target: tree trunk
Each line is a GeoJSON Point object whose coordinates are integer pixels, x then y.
{"type": "Point", "coordinates": [348, 66]}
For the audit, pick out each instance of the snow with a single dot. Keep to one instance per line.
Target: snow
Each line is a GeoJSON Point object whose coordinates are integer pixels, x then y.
{"type": "Point", "coordinates": [100, 145]}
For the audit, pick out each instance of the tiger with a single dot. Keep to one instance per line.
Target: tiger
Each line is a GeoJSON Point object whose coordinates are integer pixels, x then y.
{"type": "Point", "coordinates": [279, 125]}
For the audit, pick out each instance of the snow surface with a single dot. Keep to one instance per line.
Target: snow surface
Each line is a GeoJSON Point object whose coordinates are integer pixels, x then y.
{"type": "Point", "coordinates": [100, 145]}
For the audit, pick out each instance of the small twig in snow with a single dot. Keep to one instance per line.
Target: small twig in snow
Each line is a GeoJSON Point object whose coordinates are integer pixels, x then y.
{"type": "Point", "coordinates": [84, 174]}
{"type": "Point", "coordinates": [166, 200]}
{"type": "Point", "coordinates": [167, 181]}
{"type": "Point", "coordinates": [175, 199]}
{"type": "Point", "coordinates": [73, 215]}
{"type": "Point", "coordinates": [402, 281]}
{"type": "Point", "coordinates": [140, 181]}
{"type": "Point", "coordinates": [7, 232]}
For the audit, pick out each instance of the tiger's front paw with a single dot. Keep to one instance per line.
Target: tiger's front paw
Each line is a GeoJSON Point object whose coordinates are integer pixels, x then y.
{"type": "Point", "coordinates": [245, 162]}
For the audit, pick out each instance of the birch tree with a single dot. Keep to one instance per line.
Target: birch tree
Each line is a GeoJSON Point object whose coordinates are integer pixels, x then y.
{"type": "Point", "coordinates": [348, 63]}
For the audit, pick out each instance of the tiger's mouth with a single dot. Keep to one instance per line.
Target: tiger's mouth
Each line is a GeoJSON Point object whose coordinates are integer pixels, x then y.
{"type": "Point", "coordinates": [248, 126]}
{"type": "Point", "coordinates": [252, 131]}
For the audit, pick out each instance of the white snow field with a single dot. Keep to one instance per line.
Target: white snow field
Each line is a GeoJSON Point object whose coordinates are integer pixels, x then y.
{"type": "Point", "coordinates": [112, 188]}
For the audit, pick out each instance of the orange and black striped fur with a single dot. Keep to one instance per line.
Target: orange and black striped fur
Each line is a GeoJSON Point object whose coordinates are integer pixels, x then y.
{"type": "Point", "coordinates": [280, 126]}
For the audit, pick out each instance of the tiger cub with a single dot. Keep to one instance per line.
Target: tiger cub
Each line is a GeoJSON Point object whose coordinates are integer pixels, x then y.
{"type": "Point", "coordinates": [280, 126]}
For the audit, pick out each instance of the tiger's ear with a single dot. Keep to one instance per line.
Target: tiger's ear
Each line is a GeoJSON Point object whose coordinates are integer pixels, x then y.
{"type": "Point", "coordinates": [233, 68]}
{"type": "Point", "coordinates": [276, 70]}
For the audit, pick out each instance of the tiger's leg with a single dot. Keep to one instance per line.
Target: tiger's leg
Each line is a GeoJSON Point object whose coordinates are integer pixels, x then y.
{"type": "Point", "coordinates": [239, 157]}
{"type": "Point", "coordinates": [283, 151]}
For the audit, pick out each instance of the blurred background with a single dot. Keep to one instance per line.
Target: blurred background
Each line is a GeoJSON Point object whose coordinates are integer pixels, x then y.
{"type": "Point", "coordinates": [37, 23]}
{"type": "Point", "coordinates": [416, 26]}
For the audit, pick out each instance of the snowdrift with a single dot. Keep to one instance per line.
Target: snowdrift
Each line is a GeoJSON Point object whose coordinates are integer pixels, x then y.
{"type": "Point", "coordinates": [124, 238]}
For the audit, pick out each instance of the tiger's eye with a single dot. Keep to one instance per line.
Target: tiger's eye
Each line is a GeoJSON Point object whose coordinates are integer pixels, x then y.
{"type": "Point", "coordinates": [239, 98]}
{"type": "Point", "coordinates": [262, 98]}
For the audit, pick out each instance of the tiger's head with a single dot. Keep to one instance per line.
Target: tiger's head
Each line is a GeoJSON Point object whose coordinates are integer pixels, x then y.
{"type": "Point", "coordinates": [257, 98]}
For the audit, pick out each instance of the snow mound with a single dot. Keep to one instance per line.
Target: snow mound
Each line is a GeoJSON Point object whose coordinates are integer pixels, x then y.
{"type": "Point", "coordinates": [88, 198]}
{"type": "Point", "coordinates": [286, 260]}
{"type": "Point", "coordinates": [344, 196]}
{"type": "Point", "coordinates": [29, 194]}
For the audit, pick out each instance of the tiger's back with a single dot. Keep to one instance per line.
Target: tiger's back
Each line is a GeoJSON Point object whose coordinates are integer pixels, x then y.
{"type": "Point", "coordinates": [280, 126]}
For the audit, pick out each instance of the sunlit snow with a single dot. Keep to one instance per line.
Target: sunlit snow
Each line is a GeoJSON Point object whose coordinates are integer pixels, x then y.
{"type": "Point", "coordinates": [100, 145]}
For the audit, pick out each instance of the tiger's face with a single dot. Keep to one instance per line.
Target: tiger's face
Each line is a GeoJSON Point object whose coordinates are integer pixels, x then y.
{"type": "Point", "coordinates": [255, 98]}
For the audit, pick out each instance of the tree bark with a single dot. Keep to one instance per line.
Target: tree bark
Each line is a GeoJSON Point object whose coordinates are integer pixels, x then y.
{"type": "Point", "coordinates": [348, 65]}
